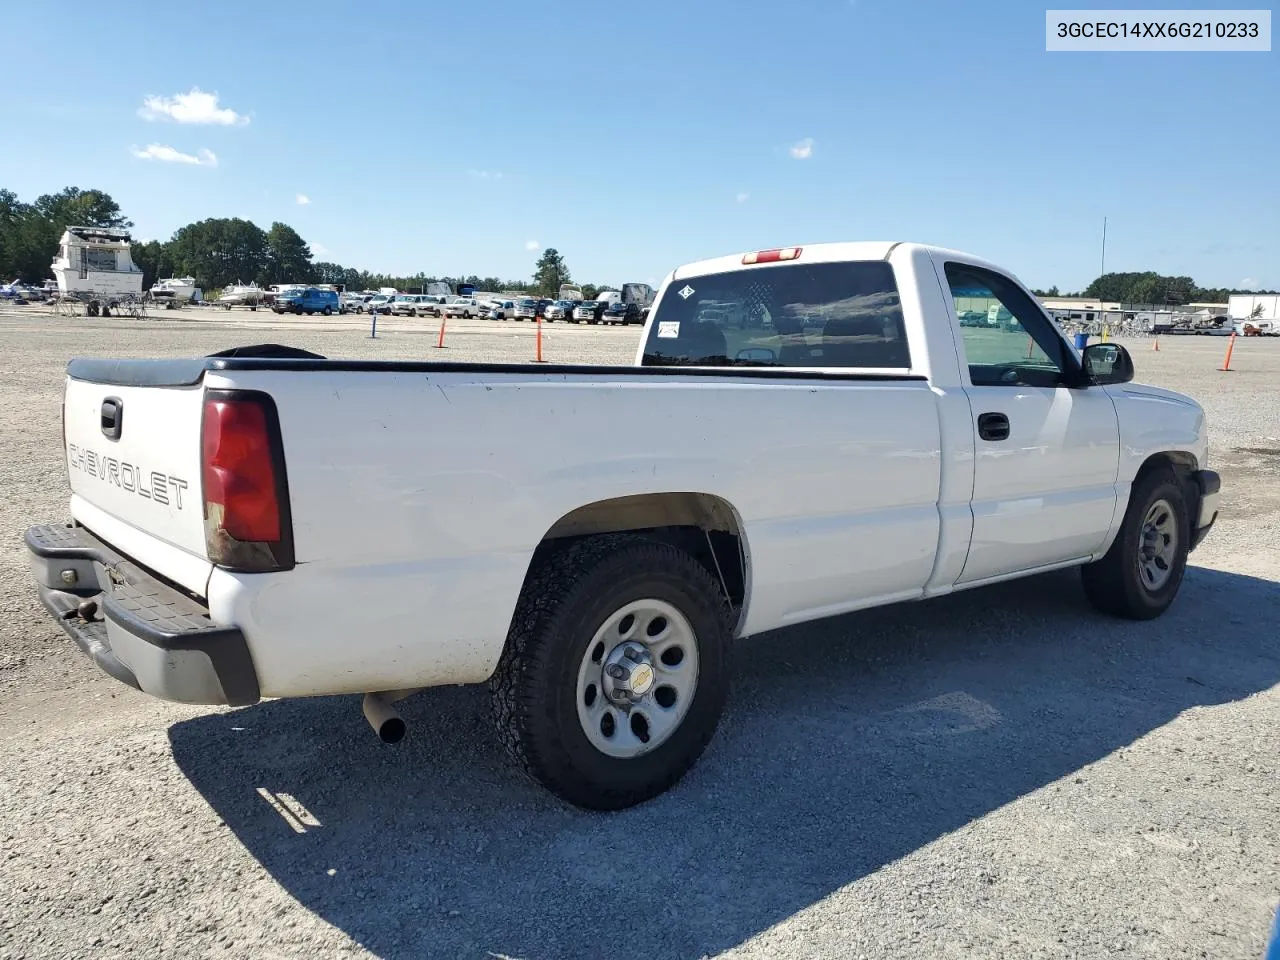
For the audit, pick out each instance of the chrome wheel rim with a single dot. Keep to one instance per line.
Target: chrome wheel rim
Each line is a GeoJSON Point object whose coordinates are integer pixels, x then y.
{"type": "Point", "coordinates": [1157, 545]}
{"type": "Point", "coordinates": [637, 678]}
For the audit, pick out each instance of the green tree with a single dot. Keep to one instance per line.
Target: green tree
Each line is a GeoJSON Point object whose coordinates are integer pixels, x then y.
{"type": "Point", "coordinates": [219, 252]}
{"type": "Point", "coordinates": [72, 206]}
{"type": "Point", "coordinates": [12, 212]}
{"type": "Point", "coordinates": [288, 256]}
{"type": "Point", "coordinates": [1145, 287]}
{"type": "Point", "coordinates": [155, 259]}
{"type": "Point", "coordinates": [550, 272]}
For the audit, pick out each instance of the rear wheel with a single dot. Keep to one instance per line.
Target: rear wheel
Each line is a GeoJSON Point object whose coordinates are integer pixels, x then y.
{"type": "Point", "coordinates": [326, 311]}
{"type": "Point", "coordinates": [1139, 576]}
{"type": "Point", "coordinates": [615, 672]}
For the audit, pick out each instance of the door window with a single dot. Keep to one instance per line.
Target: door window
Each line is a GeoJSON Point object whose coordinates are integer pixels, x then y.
{"type": "Point", "coordinates": [1008, 339]}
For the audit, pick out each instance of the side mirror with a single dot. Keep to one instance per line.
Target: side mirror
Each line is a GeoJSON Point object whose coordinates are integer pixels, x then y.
{"type": "Point", "coordinates": [1106, 363]}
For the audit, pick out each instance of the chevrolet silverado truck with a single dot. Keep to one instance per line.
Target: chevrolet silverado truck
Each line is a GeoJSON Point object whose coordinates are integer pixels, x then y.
{"type": "Point", "coordinates": [266, 522]}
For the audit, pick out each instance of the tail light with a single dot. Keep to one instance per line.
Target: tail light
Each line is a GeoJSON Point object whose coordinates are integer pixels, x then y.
{"type": "Point", "coordinates": [247, 523]}
{"type": "Point", "coordinates": [772, 256]}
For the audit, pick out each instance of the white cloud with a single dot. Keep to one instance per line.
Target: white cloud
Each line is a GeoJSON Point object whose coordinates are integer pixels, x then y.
{"type": "Point", "coordinates": [194, 107]}
{"type": "Point", "coordinates": [156, 151]}
{"type": "Point", "coordinates": [743, 197]}
{"type": "Point", "coordinates": [486, 174]}
{"type": "Point", "coordinates": [532, 245]}
{"type": "Point", "coordinates": [303, 199]}
{"type": "Point", "coordinates": [803, 150]}
{"type": "Point", "coordinates": [1248, 283]}
{"type": "Point", "coordinates": [319, 249]}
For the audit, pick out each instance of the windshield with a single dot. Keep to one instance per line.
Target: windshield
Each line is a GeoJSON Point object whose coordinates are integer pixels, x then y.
{"type": "Point", "coordinates": [793, 315]}
{"type": "Point", "coordinates": [528, 303]}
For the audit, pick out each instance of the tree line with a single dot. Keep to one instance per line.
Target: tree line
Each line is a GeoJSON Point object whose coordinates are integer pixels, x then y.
{"type": "Point", "coordinates": [1150, 287]}
{"type": "Point", "coordinates": [219, 251]}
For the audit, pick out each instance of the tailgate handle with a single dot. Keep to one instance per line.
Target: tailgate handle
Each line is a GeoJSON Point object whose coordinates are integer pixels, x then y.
{"type": "Point", "coordinates": [112, 417]}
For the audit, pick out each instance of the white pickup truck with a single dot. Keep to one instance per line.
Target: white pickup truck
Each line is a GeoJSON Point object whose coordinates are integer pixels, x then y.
{"type": "Point", "coordinates": [805, 432]}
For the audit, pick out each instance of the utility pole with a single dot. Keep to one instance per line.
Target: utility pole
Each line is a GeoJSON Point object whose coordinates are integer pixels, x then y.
{"type": "Point", "coordinates": [1104, 247]}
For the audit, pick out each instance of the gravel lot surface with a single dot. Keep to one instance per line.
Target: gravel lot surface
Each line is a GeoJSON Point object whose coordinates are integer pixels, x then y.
{"type": "Point", "coordinates": [1001, 773]}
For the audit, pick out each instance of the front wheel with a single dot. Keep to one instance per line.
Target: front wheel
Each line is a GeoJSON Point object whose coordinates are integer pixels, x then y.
{"type": "Point", "coordinates": [615, 671]}
{"type": "Point", "coordinates": [1139, 576]}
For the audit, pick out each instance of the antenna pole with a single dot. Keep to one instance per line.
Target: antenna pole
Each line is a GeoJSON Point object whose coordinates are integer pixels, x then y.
{"type": "Point", "coordinates": [1104, 247]}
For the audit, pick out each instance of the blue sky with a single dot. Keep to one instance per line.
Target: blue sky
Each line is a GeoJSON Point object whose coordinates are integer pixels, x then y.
{"type": "Point", "coordinates": [450, 137]}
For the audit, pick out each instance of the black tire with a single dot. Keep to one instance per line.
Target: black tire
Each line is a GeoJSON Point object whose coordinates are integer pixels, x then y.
{"type": "Point", "coordinates": [326, 311]}
{"type": "Point", "coordinates": [1115, 584]}
{"type": "Point", "coordinates": [533, 691]}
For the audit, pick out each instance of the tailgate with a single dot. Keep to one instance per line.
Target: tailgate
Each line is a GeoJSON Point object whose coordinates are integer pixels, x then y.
{"type": "Point", "coordinates": [134, 452]}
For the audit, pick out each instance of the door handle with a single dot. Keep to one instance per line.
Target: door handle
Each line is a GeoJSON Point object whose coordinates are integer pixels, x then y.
{"type": "Point", "coordinates": [993, 426]}
{"type": "Point", "coordinates": [112, 417]}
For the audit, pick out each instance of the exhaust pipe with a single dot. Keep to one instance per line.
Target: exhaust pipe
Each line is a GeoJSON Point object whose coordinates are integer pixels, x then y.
{"type": "Point", "coordinates": [384, 718]}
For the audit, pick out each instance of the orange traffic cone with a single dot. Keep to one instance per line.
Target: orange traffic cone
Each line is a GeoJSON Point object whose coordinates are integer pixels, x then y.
{"type": "Point", "coordinates": [1226, 363]}
{"type": "Point", "coordinates": [1156, 348]}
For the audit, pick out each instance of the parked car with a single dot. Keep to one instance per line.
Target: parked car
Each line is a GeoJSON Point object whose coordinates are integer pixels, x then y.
{"type": "Point", "coordinates": [306, 300]}
{"type": "Point", "coordinates": [412, 304]}
{"type": "Point", "coordinates": [543, 304]}
{"type": "Point", "coordinates": [619, 312]}
{"type": "Point", "coordinates": [380, 304]}
{"type": "Point", "coordinates": [465, 307]}
{"type": "Point", "coordinates": [502, 310]}
{"type": "Point", "coordinates": [526, 309]}
{"type": "Point", "coordinates": [588, 310]}
{"type": "Point", "coordinates": [559, 310]}
{"type": "Point", "coordinates": [354, 303]}
{"type": "Point", "coordinates": [597, 578]}
{"type": "Point", "coordinates": [20, 292]}
{"type": "Point", "coordinates": [433, 304]}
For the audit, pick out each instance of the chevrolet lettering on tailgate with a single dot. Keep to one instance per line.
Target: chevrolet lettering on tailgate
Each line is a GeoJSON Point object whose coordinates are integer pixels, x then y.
{"type": "Point", "coordinates": [130, 477]}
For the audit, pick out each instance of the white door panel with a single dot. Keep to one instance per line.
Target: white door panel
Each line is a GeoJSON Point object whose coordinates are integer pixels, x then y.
{"type": "Point", "coordinates": [1046, 455]}
{"type": "Point", "coordinates": [1047, 492]}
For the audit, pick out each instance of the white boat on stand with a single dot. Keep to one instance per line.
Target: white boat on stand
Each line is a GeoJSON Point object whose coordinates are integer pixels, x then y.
{"type": "Point", "coordinates": [175, 290]}
{"type": "Point", "coordinates": [241, 295]}
{"type": "Point", "coordinates": [94, 267]}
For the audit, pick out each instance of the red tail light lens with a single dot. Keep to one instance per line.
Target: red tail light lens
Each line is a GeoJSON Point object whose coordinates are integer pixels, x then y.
{"type": "Point", "coordinates": [245, 500]}
{"type": "Point", "coordinates": [772, 256]}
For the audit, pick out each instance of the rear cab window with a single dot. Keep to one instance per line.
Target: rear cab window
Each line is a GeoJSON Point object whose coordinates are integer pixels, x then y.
{"type": "Point", "coordinates": [845, 314]}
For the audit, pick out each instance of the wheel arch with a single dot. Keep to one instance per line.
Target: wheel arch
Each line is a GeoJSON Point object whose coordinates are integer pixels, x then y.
{"type": "Point", "coordinates": [1183, 463]}
{"type": "Point", "coordinates": [705, 525]}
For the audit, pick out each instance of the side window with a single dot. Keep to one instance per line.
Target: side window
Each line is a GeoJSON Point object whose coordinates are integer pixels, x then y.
{"type": "Point", "coordinates": [1008, 340]}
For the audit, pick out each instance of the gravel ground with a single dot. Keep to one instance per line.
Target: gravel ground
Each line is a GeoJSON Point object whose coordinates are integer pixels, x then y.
{"type": "Point", "coordinates": [1001, 773]}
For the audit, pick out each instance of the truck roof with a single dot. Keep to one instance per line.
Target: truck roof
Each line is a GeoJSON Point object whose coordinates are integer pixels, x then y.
{"type": "Point", "coordinates": [818, 253]}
